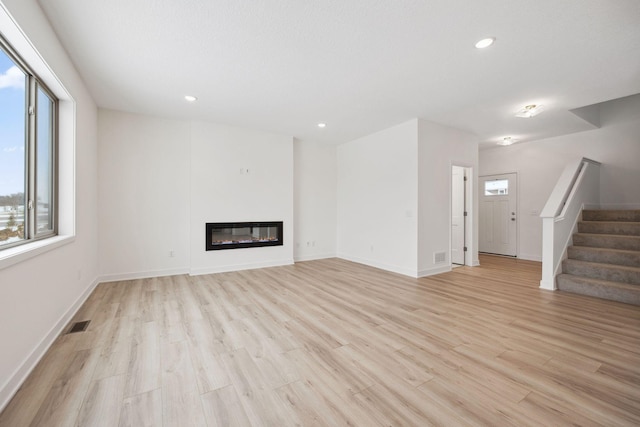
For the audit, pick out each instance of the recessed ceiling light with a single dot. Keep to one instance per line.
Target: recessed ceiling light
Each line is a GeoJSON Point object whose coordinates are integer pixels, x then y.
{"type": "Point", "coordinates": [485, 42]}
{"type": "Point", "coordinates": [530, 110]}
{"type": "Point", "coordinates": [507, 140]}
{"type": "Point", "coordinates": [322, 125]}
{"type": "Point", "coordinates": [190, 98]}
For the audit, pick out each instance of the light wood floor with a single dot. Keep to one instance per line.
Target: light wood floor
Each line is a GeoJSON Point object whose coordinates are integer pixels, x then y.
{"type": "Point", "coordinates": [332, 343]}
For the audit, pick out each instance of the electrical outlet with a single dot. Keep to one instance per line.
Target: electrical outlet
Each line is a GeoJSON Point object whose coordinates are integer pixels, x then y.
{"type": "Point", "coordinates": [171, 254]}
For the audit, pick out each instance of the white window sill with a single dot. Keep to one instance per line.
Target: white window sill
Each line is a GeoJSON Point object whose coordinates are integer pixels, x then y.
{"type": "Point", "coordinates": [11, 256]}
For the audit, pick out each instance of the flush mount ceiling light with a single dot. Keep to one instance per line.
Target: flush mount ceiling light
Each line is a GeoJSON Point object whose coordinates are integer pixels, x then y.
{"type": "Point", "coordinates": [529, 111]}
{"type": "Point", "coordinates": [322, 125]}
{"type": "Point", "coordinates": [484, 43]}
{"type": "Point", "coordinates": [507, 140]}
{"type": "Point", "coordinates": [190, 98]}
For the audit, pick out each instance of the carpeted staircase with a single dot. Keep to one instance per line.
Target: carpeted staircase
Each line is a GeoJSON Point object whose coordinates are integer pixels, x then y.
{"type": "Point", "coordinates": [604, 260]}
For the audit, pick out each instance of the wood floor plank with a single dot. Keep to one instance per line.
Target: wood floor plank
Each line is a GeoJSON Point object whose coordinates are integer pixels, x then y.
{"type": "Point", "coordinates": [130, 302]}
{"type": "Point", "coordinates": [103, 402]}
{"type": "Point", "coordinates": [396, 402]}
{"type": "Point", "coordinates": [471, 406]}
{"type": "Point", "coordinates": [397, 367]}
{"type": "Point", "coordinates": [390, 407]}
{"type": "Point", "coordinates": [327, 390]}
{"type": "Point", "coordinates": [261, 404]}
{"type": "Point", "coordinates": [182, 406]}
{"type": "Point", "coordinates": [222, 408]}
{"type": "Point", "coordinates": [114, 360]}
{"type": "Point", "coordinates": [27, 401]}
{"type": "Point", "coordinates": [308, 407]}
{"type": "Point", "coordinates": [335, 343]}
{"type": "Point", "coordinates": [143, 373]}
{"type": "Point", "coordinates": [553, 412]}
{"type": "Point", "coordinates": [565, 387]}
{"type": "Point", "coordinates": [171, 322]}
{"type": "Point", "coordinates": [224, 332]}
{"type": "Point", "coordinates": [210, 371]}
{"type": "Point", "coordinates": [142, 410]}
{"type": "Point", "coordinates": [62, 404]}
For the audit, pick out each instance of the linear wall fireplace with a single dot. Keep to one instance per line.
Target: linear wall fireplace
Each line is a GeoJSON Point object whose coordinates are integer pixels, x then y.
{"type": "Point", "coordinates": [234, 235]}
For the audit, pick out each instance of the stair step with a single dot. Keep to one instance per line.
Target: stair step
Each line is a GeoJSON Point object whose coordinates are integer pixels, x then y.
{"type": "Point", "coordinates": [614, 291]}
{"type": "Point", "coordinates": [611, 215]}
{"type": "Point", "coordinates": [613, 273]}
{"type": "Point", "coordinates": [610, 227]}
{"type": "Point", "coordinates": [612, 241]}
{"type": "Point", "coordinates": [605, 256]}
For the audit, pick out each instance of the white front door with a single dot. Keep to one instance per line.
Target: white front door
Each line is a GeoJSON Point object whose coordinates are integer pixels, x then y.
{"type": "Point", "coordinates": [457, 215]}
{"type": "Point", "coordinates": [498, 214]}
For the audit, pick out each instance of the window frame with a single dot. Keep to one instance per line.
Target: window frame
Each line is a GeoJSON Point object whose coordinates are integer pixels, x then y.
{"type": "Point", "coordinates": [33, 84]}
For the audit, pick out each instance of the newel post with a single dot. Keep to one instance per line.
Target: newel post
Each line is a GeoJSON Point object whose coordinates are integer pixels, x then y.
{"type": "Point", "coordinates": [548, 280]}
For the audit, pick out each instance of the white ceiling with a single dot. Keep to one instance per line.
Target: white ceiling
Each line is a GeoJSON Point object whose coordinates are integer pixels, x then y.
{"type": "Point", "coordinates": [358, 65]}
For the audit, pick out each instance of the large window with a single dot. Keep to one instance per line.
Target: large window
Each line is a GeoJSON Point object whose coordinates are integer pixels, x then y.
{"type": "Point", "coordinates": [27, 153]}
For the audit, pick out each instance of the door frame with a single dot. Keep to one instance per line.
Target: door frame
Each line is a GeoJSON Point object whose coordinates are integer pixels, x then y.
{"type": "Point", "coordinates": [518, 213]}
{"type": "Point", "coordinates": [469, 220]}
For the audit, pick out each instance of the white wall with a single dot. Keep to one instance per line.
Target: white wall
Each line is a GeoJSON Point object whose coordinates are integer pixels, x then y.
{"type": "Point", "coordinates": [394, 196]}
{"type": "Point", "coordinates": [440, 147]}
{"type": "Point", "coordinates": [161, 180]}
{"type": "Point", "coordinates": [221, 193]}
{"type": "Point", "coordinates": [378, 199]}
{"type": "Point", "coordinates": [539, 165]}
{"type": "Point", "coordinates": [38, 295]}
{"type": "Point", "coordinates": [144, 195]}
{"type": "Point", "coordinates": [315, 191]}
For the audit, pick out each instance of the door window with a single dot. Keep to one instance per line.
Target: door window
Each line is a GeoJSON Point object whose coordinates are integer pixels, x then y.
{"type": "Point", "coordinates": [498, 187]}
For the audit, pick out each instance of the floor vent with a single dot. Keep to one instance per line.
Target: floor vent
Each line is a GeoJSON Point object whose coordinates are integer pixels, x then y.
{"type": "Point", "coordinates": [79, 327]}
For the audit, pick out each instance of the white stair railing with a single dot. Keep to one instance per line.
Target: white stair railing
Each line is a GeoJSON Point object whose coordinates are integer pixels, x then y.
{"type": "Point", "coordinates": [578, 186]}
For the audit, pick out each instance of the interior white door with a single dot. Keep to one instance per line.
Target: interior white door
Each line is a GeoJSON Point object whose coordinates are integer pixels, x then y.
{"type": "Point", "coordinates": [498, 215]}
{"type": "Point", "coordinates": [457, 215]}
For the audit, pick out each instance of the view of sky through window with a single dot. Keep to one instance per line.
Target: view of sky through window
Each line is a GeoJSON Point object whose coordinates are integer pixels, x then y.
{"type": "Point", "coordinates": [12, 150]}
{"type": "Point", "coordinates": [12, 127]}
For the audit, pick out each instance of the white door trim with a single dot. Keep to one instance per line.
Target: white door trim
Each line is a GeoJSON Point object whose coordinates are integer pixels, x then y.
{"type": "Point", "coordinates": [470, 257]}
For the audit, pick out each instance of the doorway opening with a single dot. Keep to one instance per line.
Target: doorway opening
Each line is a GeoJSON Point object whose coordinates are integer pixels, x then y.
{"type": "Point", "coordinates": [460, 215]}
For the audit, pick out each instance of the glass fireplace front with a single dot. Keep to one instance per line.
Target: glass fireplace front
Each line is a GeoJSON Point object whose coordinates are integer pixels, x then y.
{"type": "Point", "coordinates": [233, 235]}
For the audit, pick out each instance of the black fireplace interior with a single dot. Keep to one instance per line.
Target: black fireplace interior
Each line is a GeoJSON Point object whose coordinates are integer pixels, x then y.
{"type": "Point", "coordinates": [234, 235]}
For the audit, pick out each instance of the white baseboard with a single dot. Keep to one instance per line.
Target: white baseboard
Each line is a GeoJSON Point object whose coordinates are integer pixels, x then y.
{"type": "Point", "coordinates": [11, 386]}
{"type": "Point", "coordinates": [142, 274]}
{"type": "Point", "coordinates": [548, 286]}
{"type": "Point", "coordinates": [238, 267]}
{"type": "Point", "coordinates": [434, 270]}
{"type": "Point", "coordinates": [313, 257]}
{"type": "Point", "coordinates": [382, 266]}
{"type": "Point", "coordinates": [530, 257]}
